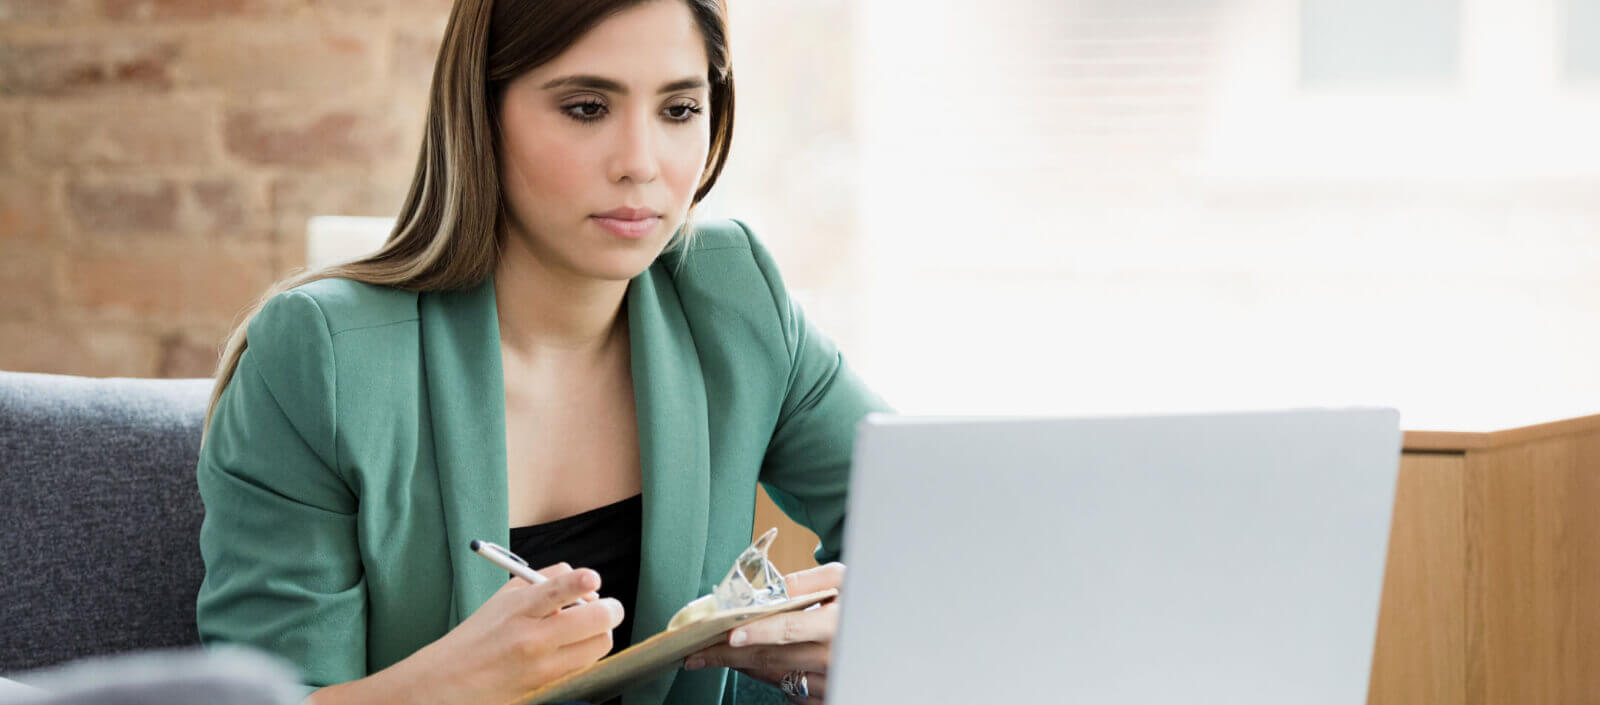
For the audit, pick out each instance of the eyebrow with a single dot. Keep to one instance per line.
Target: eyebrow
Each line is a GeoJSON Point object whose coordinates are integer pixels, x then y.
{"type": "Point", "coordinates": [605, 84]}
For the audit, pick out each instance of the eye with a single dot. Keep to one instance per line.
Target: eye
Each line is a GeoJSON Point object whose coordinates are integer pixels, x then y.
{"type": "Point", "coordinates": [683, 112]}
{"type": "Point", "coordinates": [586, 111]}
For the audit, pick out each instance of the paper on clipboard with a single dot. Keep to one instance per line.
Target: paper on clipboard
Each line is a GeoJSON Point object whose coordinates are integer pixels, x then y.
{"type": "Point", "coordinates": [608, 677]}
{"type": "Point", "coordinates": [753, 590]}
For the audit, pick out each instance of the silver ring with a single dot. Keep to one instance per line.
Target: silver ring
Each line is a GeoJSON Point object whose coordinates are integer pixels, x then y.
{"type": "Point", "coordinates": [793, 684]}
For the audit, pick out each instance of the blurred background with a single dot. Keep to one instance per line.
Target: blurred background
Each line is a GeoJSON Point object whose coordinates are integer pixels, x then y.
{"type": "Point", "coordinates": [1022, 206]}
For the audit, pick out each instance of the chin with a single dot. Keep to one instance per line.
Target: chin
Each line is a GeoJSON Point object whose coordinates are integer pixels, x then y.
{"type": "Point", "coordinates": [620, 265]}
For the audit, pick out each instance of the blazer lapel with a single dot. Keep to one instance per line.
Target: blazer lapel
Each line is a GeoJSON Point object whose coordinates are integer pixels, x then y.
{"type": "Point", "coordinates": [675, 451]}
{"type": "Point", "coordinates": [466, 404]}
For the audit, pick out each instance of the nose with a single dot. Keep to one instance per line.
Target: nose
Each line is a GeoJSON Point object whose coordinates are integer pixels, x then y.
{"type": "Point", "coordinates": [635, 156]}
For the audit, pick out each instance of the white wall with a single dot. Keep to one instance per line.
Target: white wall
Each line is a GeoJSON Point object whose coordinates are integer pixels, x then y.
{"type": "Point", "coordinates": [1096, 206]}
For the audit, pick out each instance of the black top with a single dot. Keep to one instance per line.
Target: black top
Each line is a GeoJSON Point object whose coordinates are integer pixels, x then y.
{"type": "Point", "coordinates": [605, 539]}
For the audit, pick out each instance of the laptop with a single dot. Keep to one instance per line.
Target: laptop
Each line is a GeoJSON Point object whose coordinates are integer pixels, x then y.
{"type": "Point", "coordinates": [1229, 558]}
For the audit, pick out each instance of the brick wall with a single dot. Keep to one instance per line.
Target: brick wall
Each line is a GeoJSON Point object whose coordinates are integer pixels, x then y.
{"type": "Point", "coordinates": [159, 159]}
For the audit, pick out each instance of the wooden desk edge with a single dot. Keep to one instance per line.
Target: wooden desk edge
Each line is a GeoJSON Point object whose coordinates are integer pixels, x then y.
{"type": "Point", "coordinates": [1460, 442]}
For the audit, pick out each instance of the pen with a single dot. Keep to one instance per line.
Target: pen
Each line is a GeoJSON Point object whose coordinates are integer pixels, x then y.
{"type": "Point", "coordinates": [511, 562]}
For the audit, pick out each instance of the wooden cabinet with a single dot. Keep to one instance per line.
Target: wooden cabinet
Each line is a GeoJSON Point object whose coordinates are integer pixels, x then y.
{"type": "Point", "coordinates": [1492, 591]}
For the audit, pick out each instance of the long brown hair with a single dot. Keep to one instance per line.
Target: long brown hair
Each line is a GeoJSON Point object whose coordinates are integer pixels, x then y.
{"type": "Point", "coordinates": [446, 234]}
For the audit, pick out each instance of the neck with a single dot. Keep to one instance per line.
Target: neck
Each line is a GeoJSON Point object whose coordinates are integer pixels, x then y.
{"type": "Point", "coordinates": [550, 313]}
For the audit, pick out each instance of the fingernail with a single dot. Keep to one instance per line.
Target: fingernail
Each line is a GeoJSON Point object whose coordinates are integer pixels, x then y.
{"type": "Point", "coordinates": [694, 662]}
{"type": "Point", "coordinates": [739, 637]}
{"type": "Point", "coordinates": [591, 581]}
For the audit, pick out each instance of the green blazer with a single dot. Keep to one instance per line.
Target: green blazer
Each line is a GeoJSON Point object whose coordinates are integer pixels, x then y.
{"type": "Point", "coordinates": [360, 446]}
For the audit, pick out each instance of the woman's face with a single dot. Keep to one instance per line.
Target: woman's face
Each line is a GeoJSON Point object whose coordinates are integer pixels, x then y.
{"type": "Point", "coordinates": [620, 120]}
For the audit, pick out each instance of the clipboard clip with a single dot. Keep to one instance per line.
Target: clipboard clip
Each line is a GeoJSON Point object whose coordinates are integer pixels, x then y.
{"type": "Point", "coordinates": [753, 580]}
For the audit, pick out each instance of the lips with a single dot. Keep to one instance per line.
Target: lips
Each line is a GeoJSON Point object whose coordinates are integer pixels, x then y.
{"type": "Point", "coordinates": [628, 223]}
{"type": "Point", "coordinates": [629, 214]}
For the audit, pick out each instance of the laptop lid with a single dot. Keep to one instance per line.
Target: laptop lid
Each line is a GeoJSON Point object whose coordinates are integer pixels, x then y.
{"type": "Point", "coordinates": [1229, 558]}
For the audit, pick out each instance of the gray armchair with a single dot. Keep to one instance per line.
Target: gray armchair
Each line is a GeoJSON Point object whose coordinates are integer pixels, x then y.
{"type": "Point", "coordinates": [99, 515]}
{"type": "Point", "coordinates": [99, 563]}
{"type": "Point", "coordinates": [176, 677]}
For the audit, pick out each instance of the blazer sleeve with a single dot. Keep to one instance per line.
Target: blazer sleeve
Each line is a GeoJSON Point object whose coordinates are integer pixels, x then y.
{"type": "Point", "coordinates": [283, 571]}
{"type": "Point", "coordinates": [807, 466]}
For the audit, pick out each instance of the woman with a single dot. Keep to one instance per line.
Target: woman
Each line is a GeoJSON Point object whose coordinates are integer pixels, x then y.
{"type": "Point", "coordinates": [541, 351]}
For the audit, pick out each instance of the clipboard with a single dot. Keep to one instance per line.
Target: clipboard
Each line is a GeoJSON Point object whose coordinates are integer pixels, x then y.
{"type": "Point", "coordinates": [608, 677]}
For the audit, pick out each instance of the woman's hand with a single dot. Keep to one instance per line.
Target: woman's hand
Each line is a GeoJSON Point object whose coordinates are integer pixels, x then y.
{"type": "Point", "coordinates": [517, 641]}
{"type": "Point", "coordinates": [794, 641]}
